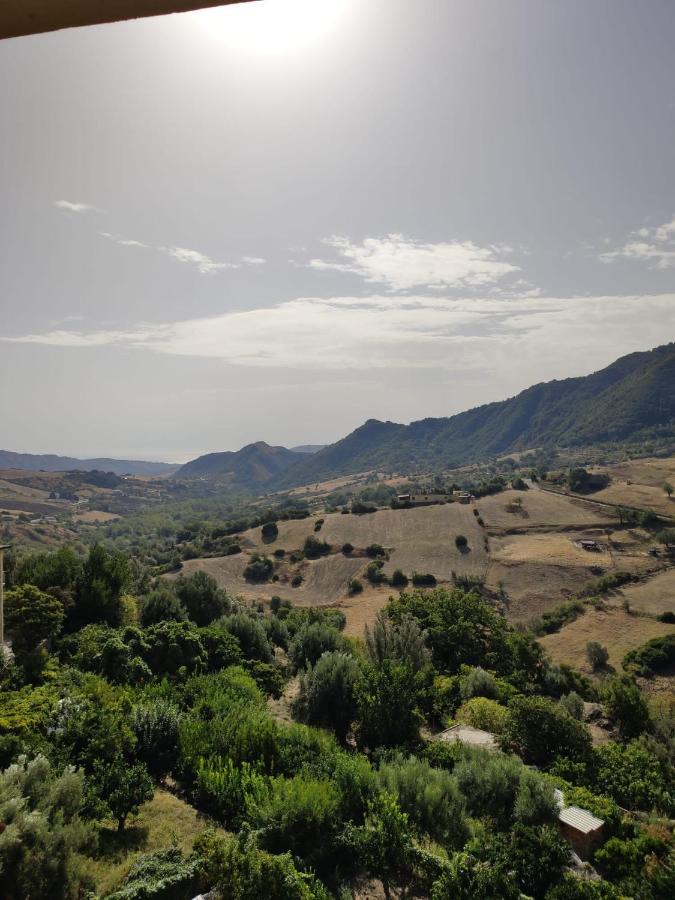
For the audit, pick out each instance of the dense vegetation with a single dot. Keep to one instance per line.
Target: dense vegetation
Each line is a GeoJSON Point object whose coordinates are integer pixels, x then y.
{"type": "Point", "coordinates": [120, 683]}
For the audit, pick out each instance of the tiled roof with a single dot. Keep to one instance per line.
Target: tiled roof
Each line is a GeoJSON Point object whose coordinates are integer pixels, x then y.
{"type": "Point", "coordinates": [579, 819]}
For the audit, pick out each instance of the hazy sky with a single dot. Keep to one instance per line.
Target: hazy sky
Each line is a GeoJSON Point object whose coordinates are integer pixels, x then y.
{"type": "Point", "coordinates": [225, 227]}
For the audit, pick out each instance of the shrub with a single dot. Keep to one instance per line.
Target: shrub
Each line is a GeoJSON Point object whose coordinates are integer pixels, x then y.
{"type": "Point", "coordinates": [626, 705]}
{"type": "Point", "coordinates": [401, 642]}
{"type": "Point", "coordinates": [420, 579]}
{"type": "Point", "coordinates": [250, 632]}
{"type": "Point", "coordinates": [311, 642]}
{"type": "Point", "coordinates": [269, 531]}
{"type": "Point", "coordinates": [202, 598]}
{"type": "Point", "coordinates": [162, 605]}
{"type": "Point", "coordinates": [355, 587]}
{"type": "Point", "coordinates": [260, 568]}
{"type": "Point", "coordinates": [555, 618]}
{"type": "Point", "coordinates": [279, 553]}
{"type": "Point", "coordinates": [597, 655]}
{"type": "Point", "coordinates": [296, 580]}
{"type": "Point", "coordinates": [162, 875]}
{"type": "Point", "coordinates": [398, 579]}
{"type": "Point", "coordinates": [327, 693]}
{"type": "Point", "coordinates": [374, 572]}
{"type": "Point", "coordinates": [573, 705]}
{"type": "Point", "coordinates": [314, 548]}
{"type": "Point", "coordinates": [651, 657]}
{"type": "Point", "coordinates": [387, 700]}
{"type": "Point", "coordinates": [375, 551]}
{"type": "Point", "coordinates": [347, 548]}
{"type": "Point", "coordinates": [155, 725]}
{"type": "Point", "coordinates": [480, 712]}
{"type": "Point", "coordinates": [476, 682]}
{"type": "Point", "coordinates": [461, 542]}
{"type": "Point", "coordinates": [539, 731]}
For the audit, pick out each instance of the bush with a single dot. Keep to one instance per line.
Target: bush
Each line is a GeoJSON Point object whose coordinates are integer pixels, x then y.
{"type": "Point", "coordinates": [539, 731]}
{"type": "Point", "coordinates": [314, 548]}
{"type": "Point", "coordinates": [476, 682]}
{"type": "Point", "coordinates": [327, 693]}
{"type": "Point", "coordinates": [162, 875]}
{"type": "Point", "coordinates": [279, 553]}
{"type": "Point", "coordinates": [480, 712]}
{"type": "Point", "coordinates": [461, 542]}
{"type": "Point", "coordinates": [398, 579]}
{"type": "Point", "coordinates": [250, 632]}
{"type": "Point", "coordinates": [374, 572]}
{"type": "Point", "coordinates": [259, 569]}
{"type": "Point", "coordinates": [355, 587]}
{"type": "Point", "coordinates": [651, 657]}
{"type": "Point", "coordinates": [375, 551]}
{"type": "Point", "coordinates": [347, 548]}
{"type": "Point", "coordinates": [202, 598]}
{"type": "Point", "coordinates": [311, 642]}
{"type": "Point", "coordinates": [573, 705]}
{"type": "Point", "coordinates": [626, 705]}
{"type": "Point", "coordinates": [269, 531]}
{"type": "Point", "coordinates": [597, 655]}
{"type": "Point", "coordinates": [420, 579]}
{"type": "Point", "coordinates": [400, 642]}
{"type": "Point", "coordinates": [296, 580]}
{"type": "Point", "coordinates": [155, 725]}
{"type": "Point", "coordinates": [387, 700]}
{"type": "Point", "coordinates": [162, 605]}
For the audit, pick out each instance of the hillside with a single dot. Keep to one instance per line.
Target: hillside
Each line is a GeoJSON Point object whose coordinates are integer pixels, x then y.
{"type": "Point", "coordinates": [49, 462]}
{"type": "Point", "coordinates": [253, 466]}
{"type": "Point", "coordinates": [631, 398]}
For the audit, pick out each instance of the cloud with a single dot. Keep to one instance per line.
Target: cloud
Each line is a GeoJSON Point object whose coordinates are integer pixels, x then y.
{"type": "Point", "coordinates": [403, 264]}
{"type": "Point", "coordinates": [654, 246]}
{"type": "Point", "coordinates": [406, 332]}
{"type": "Point", "coordinates": [204, 264]}
{"type": "Point", "coordinates": [75, 207]}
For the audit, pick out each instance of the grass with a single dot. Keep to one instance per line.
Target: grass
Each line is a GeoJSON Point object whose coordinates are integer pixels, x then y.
{"type": "Point", "coordinates": [614, 628]}
{"type": "Point", "coordinates": [163, 821]}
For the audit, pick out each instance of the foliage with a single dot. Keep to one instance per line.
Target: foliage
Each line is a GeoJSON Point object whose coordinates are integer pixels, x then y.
{"type": "Point", "coordinates": [398, 579]}
{"type": "Point", "coordinates": [632, 776]}
{"type": "Point", "coordinates": [423, 579]}
{"type": "Point", "coordinates": [388, 715]}
{"type": "Point", "coordinates": [162, 605]}
{"type": "Point", "coordinates": [651, 657]}
{"type": "Point", "coordinates": [311, 642]}
{"type": "Point", "coordinates": [402, 641]}
{"type": "Point", "coordinates": [43, 830]}
{"type": "Point", "coordinates": [573, 705]}
{"type": "Point", "coordinates": [476, 682]}
{"type": "Point", "coordinates": [121, 788]}
{"type": "Point", "coordinates": [155, 725]}
{"type": "Point", "coordinates": [626, 705]}
{"type": "Point", "coordinates": [314, 548]}
{"type": "Point", "coordinates": [99, 587]}
{"type": "Point", "coordinates": [163, 875]}
{"type": "Point", "coordinates": [270, 531]}
{"type": "Point", "coordinates": [250, 633]}
{"type": "Point", "coordinates": [481, 712]}
{"type": "Point", "coordinates": [554, 619]}
{"type": "Point", "coordinates": [539, 731]}
{"type": "Point", "coordinates": [202, 598]}
{"type": "Point", "coordinates": [597, 655]}
{"type": "Point", "coordinates": [259, 568]}
{"type": "Point", "coordinates": [32, 617]}
{"type": "Point", "coordinates": [461, 541]}
{"type": "Point", "coordinates": [326, 695]}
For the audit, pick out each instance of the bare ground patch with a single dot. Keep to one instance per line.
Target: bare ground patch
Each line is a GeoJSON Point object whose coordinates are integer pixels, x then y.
{"type": "Point", "coordinates": [539, 508]}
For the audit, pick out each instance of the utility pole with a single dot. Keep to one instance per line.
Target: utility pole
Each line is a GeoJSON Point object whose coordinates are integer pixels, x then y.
{"type": "Point", "coordinates": [3, 547]}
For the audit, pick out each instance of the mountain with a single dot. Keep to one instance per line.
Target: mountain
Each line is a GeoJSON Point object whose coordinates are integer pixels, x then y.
{"type": "Point", "coordinates": [48, 462]}
{"type": "Point", "coordinates": [633, 398]}
{"type": "Point", "coordinates": [253, 466]}
{"type": "Point", "coordinates": [308, 448]}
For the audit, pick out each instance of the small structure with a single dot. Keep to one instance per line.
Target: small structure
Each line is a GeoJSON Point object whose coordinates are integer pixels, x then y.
{"type": "Point", "coordinates": [467, 734]}
{"type": "Point", "coordinates": [421, 499]}
{"type": "Point", "coordinates": [591, 546]}
{"type": "Point", "coordinates": [578, 827]}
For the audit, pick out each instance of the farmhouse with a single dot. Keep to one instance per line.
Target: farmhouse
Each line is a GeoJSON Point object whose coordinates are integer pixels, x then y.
{"type": "Point", "coordinates": [421, 499]}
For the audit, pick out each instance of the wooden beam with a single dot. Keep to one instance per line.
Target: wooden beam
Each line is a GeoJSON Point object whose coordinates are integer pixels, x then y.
{"type": "Point", "coordinates": [20, 17]}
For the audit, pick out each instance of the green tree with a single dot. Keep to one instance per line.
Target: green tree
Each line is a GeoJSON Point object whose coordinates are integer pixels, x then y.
{"type": "Point", "coordinates": [311, 642]}
{"type": "Point", "coordinates": [400, 641]}
{"type": "Point", "coordinates": [597, 655]}
{"type": "Point", "coordinates": [202, 598]}
{"type": "Point", "coordinates": [666, 536]}
{"type": "Point", "coordinates": [626, 705]}
{"type": "Point", "coordinates": [250, 632]}
{"type": "Point", "coordinates": [631, 775]}
{"type": "Point", "coordinates": [155, 725]}
{"type": "Point", "coordinates": [388, 714]}
{"type": "Point", "coordinates": [327, 695]}
{"type": "Point", "coordinates": [669, 489]}
{"type": "Point", "coordinates": [535, 855]}
{"type": "Point", "coordinates": [43, 831]}
{"type": "Point", "coordinates": [269, 531]}
{"type": "Point", "coordinates": [32, 617]}
{"type": "Point", "coordinates": [384, 843]}
{"type": "Point", "coordinates": [121, 788]}
{"type": "Point", "coordinates": [469, 878]}
{"type": "Point", "coordinates": [99, 587]}
{"type": "Point", "coordinates": [162, 605]}
{"type": "Point", "coordinates": [539, 731]}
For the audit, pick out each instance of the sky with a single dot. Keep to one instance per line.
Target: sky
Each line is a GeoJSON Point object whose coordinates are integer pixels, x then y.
{"type": "Point", "coordinates": [275, 221]}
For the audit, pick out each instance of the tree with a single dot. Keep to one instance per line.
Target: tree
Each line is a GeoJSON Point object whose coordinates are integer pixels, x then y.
{"type": "Point", "coordinates": [481, 712]}
{"type": "Point", "coordinates": [32, 617]}
{"type": "Point", "coordinates": [99, 587]}
{"type": "Point", "coordinates": [250, 633]}
{"type": "Point", "coordinates": [538, 730]}
{"type": "Point", "coordinates": [259, 568]}
{"type": "Point", "coordinates": [461, 542]}
{"type": "Point", "coordinates": [314, 548]}
{"type": "Point", "coordinates": [385, 842]}
{"type": "Point", "coordinates": [626, 705]}
{"type": "Point", "coordinates": [122, 788]}
{"type": "Point", "coordinates": [202, 598]}
{"type": "Point", "coordinates": [402, 641]}
{"type": "Point", "coordinates": [43, 831]}
{"type": "Point", "coordinates": [535, 855]}
{"type": "Point", "coordinates": [269, 531]}
{"type": "Point", "coordinates": [327, 696]}
{"type": "Point", "coordinates": [597, 655]}
{"type": "Point", "coordinates": [162, 605]}
{"type": "Point", "coordinates": [311, 642]}
{"type": "Point", "coordinates": [399, 579]}
{"type": "Point", "coordinates": [387, 706]}
{"type": "Point", "coordinates": [666, 537]}
{"type": "Point", "coordinates": [631, 775]}
{"type": "Point", "coordinates": [669, 489]}
{"type": "Point", "coordinates": [155, 725]}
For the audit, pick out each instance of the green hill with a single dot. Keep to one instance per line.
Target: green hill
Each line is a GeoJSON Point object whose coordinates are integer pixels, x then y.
{"type": "Point", "coordinates": [253, 466]}
{"type": "Point", "coordinates": [632, 398]}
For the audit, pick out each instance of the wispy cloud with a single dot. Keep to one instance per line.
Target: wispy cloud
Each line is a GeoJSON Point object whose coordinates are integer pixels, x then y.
{"type": "Point", "coordinates": [401, 263]}
{"type": "Point", "coordinates": [75, 207]}
{"type": "Point", "coordinates": [403, 332]}
{"type": "Point", "coordinates": [654, 246]}
{"type": "Point", "coordinates": [203, 263]}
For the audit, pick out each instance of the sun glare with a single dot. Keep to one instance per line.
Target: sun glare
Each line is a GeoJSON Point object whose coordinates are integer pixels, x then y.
{"type": "Point", "coordinates": [273, 26]}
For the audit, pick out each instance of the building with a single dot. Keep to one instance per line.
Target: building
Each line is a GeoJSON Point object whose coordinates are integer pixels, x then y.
{"type": "Point", "coordinates": [467, 734]}
{"type": "Point", "coordinates": [591, 546]}
{"type": "Point", "coordinates": [421, 499]}
{"type": "Point", "coordinates": [578, 827]}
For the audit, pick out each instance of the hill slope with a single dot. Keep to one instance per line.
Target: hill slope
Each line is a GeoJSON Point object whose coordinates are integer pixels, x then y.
{"type": "Point", "coordinates": [49, 462]}
{"type": "Point", "coordinates": [630, 398]}
{"type": "Point", "coordinates": [253, 466]}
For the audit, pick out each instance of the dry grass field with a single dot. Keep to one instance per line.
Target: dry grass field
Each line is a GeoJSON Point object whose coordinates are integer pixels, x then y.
{"type": "Point", "coordinates": [421, 539]}
{"type": "Point", "coordinates": [639, 483]}
{"type": "Point", "coordinates": [540, 509]}
{"type": "Point", "coordinates": [95, 516]}
{"type": "Point", "coordinates": [656, 595]}
{"type": "Point", "coordinates": [614, 628]}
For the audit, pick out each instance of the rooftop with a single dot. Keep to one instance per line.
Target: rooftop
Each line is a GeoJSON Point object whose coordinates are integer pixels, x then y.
{"type": "Point", "coordinates": [579, 819]}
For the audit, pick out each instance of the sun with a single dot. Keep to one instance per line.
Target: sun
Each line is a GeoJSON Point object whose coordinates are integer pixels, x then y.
{"type": "Point", "coordinates": [271, 27]}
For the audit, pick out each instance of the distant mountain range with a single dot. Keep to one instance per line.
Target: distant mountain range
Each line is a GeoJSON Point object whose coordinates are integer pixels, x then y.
{"type": "Point", "coordinates": [633, 398]}
{"type": "Point", "coordinates": [48, 462]}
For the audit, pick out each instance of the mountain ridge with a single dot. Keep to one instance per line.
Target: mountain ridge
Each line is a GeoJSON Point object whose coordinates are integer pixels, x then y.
{"type": "Point", "coordinates": [52, 462]}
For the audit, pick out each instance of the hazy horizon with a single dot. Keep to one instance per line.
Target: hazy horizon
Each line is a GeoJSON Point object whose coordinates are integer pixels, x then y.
{"type": "Point", "coordinates": [235, 226]}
